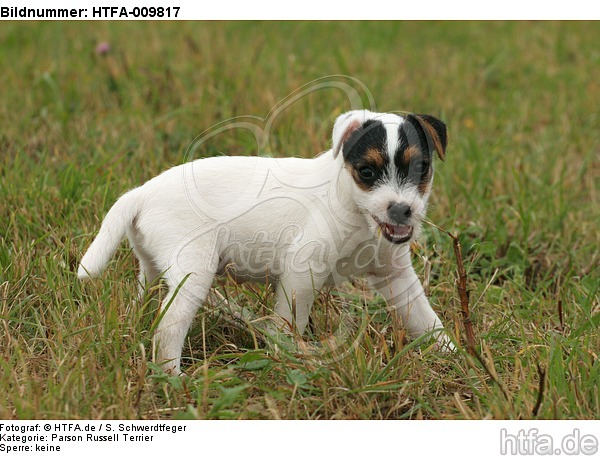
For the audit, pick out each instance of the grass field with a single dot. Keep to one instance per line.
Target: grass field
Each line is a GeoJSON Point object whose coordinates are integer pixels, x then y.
{"type": "Point", "coordinates": [519, 186]}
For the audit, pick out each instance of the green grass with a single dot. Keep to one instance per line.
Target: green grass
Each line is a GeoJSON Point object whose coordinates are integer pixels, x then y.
{"type": "Point", "coordinates": [519, 185]}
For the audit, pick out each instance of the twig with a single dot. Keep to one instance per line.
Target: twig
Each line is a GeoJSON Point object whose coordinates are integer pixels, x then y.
{"type": "Point", "coordinates": [463, 292]}
{"type": "Point", "coordinates": [540, 397]}
{"type": "Point", "coordinates": [561, 317]}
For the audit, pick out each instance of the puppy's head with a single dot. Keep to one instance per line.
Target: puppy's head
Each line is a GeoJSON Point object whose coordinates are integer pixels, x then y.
{"type": "Point", "coordinates": [390, 160]}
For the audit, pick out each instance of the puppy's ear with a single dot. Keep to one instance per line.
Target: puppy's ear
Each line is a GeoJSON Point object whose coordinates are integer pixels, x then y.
{"type": "Point", "coordinates": [438, 133]}
{"type": "Point", "coordinates": [344, 126]}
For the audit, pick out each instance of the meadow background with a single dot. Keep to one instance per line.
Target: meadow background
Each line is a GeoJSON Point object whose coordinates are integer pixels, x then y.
{"type": "Point", "coordinates": [519, 186]}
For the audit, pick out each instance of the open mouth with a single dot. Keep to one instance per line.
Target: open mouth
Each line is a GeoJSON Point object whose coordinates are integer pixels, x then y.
{"type": "Point", "coordinates": [396, 234]}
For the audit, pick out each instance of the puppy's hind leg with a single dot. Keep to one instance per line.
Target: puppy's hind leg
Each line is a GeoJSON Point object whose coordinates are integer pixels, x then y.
{"type": "Point", "coordinates": [148, 270]}
{"type": "Point", "coordinates": [147, 275]}
{"type": "Point", "coordinates": [188, 289]}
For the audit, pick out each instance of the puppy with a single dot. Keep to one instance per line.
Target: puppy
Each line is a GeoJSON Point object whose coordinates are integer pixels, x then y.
{"type": "Point", "coordinates": [299, 223]}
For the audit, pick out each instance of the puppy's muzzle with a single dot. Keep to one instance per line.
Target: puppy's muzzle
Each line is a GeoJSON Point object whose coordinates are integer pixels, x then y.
{"type": "Point", "coordinates": [399, 230]}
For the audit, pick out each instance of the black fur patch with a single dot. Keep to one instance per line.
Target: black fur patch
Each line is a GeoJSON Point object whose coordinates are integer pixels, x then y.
{"type": "Point", "coordinates": [366, 148]}
{"type": "Point", "coordinates": [414, 167]}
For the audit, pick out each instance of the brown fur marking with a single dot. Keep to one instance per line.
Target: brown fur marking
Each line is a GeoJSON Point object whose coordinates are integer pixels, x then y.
{"type": "Point", "coordinates": [375, 158]}
{"type": "Point", "coordinates": [409, 153]}
{"type": "Point", "coordinates": [425, 184]}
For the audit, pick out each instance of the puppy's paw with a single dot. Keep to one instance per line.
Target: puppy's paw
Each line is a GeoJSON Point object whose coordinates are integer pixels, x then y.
{"type": "Point", "coordinates": [444, 344]}
{"type": "Point", "coordinates": [171, 368]}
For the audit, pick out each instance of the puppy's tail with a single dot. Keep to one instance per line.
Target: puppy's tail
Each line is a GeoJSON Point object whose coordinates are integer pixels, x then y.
{"type": "Point", "coordinates": [112, 231]}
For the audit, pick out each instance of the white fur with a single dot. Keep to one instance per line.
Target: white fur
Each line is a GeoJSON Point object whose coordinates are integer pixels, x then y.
{"type": "Point", "coordinates": [301, 222]}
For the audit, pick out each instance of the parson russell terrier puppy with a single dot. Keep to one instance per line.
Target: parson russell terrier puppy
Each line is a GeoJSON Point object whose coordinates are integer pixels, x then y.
{"type": "Point", "coordinates": [300, 223]}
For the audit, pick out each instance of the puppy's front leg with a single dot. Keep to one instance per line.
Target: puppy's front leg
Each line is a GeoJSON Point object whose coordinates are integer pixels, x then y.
{"type": "Point", "coordinates": [406, 300]}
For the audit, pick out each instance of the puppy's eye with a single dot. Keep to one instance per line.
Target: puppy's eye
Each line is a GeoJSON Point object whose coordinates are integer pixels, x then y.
{"type": "Point", "coordinates": [421, 167]}
{"type": "Point", "coordinates": [367, 173]}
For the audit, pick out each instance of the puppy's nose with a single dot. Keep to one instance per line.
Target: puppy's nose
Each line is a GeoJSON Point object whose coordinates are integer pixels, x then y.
{"type": "Point", "coordinates": [399, 213]}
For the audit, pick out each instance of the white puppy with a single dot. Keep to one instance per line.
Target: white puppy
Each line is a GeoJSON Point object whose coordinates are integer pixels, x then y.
{"type": "Point", "coordinates": [300, 223]}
